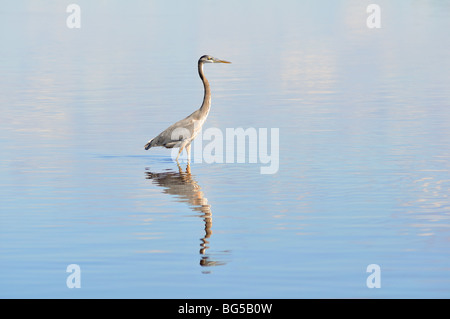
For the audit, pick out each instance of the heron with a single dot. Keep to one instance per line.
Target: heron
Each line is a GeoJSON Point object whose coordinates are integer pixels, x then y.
{"type": "Point", "coordinates": [182, 133]}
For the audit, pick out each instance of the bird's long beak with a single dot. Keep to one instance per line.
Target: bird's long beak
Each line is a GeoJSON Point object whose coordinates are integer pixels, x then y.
{"type": "Point", "coordinates": [221, 61]}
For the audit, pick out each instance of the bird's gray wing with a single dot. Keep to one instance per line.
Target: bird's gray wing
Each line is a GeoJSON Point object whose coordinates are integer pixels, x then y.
{"type": "Point", "coordinates": [175, 134]}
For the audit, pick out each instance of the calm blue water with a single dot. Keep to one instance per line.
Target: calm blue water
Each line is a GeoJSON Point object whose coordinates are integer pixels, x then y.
{"type": "Point", "coordinates": [364, 156]}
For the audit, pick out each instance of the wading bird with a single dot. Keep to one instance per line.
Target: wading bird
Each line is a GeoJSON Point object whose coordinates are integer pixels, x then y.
{"type": "Point", "coordinates": [183, 132]}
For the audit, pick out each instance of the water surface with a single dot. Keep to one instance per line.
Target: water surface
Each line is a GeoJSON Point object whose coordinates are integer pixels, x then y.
{"type": "Point", "coordinates": [364, 174]}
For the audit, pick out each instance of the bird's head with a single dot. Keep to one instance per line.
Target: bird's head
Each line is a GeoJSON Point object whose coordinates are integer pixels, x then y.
{"type": "Point", "coordinates": [210, 59]}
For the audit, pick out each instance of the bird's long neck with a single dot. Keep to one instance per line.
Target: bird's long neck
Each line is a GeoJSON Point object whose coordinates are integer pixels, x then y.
{"type": "Point", "coordinates": [204, 109]}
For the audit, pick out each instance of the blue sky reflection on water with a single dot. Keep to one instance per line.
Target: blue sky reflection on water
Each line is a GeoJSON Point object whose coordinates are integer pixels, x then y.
{"type": "Point", "coordinates": [364, 150]}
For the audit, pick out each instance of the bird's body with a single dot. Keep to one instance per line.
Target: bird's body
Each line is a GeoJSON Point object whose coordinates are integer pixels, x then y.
{"type": "Point", "coordinates": [183, 132]}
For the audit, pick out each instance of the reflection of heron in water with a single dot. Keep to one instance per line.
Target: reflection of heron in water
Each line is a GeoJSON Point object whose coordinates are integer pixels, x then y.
{"type": "Point", "coordinates": [187, 190]}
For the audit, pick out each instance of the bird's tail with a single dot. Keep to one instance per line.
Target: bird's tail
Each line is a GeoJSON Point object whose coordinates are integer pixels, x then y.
{"type": "Point", "coordinates": [148, 145]}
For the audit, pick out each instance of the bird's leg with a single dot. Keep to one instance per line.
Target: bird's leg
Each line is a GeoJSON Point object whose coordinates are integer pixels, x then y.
{"type": "Point", "coordinates": [188, 167]}
{"type": "Point", "coordinates": [179, 152]}
{"type": "Point", "coordinates": [179, 169]}
{"type": "Point", "coordinates": [188, 150]}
